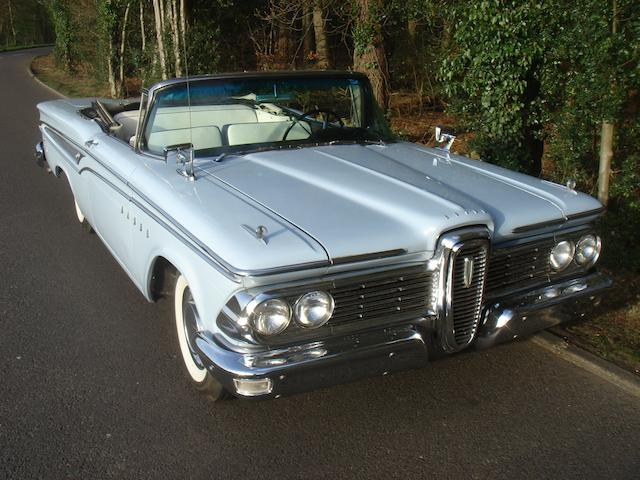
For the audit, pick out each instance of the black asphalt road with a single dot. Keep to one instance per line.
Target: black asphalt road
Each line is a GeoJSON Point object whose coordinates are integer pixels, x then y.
{"type": "Point", "coordinates": [91, 387]}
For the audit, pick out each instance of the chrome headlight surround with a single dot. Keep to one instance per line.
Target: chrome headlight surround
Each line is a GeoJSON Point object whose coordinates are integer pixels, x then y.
{"type": "Point", "coordinates": [313, 309]}
{"type": "Point", "coordinates": [270, 316]}
{"type": "Point", "coordinates": [561, 255]}
{"type": "Point", "coordinates": [588, 250]}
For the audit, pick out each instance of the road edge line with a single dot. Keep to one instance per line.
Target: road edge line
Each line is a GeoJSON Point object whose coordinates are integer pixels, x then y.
{"type": "Point", "coordinates": [42, 84]}
{"type": "Point", "coordinates": [603, 369]}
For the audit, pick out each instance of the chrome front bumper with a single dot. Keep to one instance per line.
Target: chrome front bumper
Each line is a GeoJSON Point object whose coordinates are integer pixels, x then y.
{"type": "Point", "coordinates": [318, 364]}
{"type": "Point", "coordinates": [383, 351]}
{"type": "Point", "coordinates": [523, 314]}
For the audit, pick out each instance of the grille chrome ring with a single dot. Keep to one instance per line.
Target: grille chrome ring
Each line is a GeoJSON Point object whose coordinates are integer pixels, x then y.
{"type": "Point", "coordinates": [465, 256]}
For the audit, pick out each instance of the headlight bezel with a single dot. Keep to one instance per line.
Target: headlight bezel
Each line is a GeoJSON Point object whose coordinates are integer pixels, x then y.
{"type": "Point", "coordinates": [298, 305]}
{"type": "Point", "coordinates": [555, 265]}
{"type": "Point", "coordinates": [597, 250]}
{"type": "Point", "coordinates": [263, 301]}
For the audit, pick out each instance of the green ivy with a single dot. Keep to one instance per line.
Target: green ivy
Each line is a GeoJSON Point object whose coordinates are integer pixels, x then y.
{"type": "Point", "coordinates": [64, 50]}
{"type": "Point", "coordinates": [492, 76]}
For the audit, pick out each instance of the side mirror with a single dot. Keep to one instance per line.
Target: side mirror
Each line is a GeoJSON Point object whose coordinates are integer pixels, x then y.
{"type": "Point", "coordinates": [445, 135]}
{"type": "Point", "coordinates": [183, 154]}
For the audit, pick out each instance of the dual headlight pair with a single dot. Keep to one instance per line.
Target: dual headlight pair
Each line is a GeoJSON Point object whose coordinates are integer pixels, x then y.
{"type": "Point", "coordinates": [273, 316]}
{"type": "Point", "coordinates": [585, 252]}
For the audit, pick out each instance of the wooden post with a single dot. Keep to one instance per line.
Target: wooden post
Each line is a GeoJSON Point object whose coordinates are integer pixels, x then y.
{"type": "Point", "coordinates": [606, 137]}
{"type": "Point", "coordinates": [606, 155]}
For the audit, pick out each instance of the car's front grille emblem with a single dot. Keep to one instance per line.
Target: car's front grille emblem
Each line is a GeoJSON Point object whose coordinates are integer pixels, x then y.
{"type": "Point", "coordinates": [467, 275]}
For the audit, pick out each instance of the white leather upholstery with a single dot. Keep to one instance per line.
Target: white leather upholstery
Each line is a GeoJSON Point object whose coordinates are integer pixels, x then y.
{"type": "Point", "coordinates": [171, 118]}
{"type": "Point", "coordinates": [201, 137]}
{"type": "Point", "coordinates": [246, 133]}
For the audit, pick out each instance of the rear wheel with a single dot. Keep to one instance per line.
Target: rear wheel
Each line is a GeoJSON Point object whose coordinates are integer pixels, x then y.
{"type": "Point", "coordinates": [187, 327]}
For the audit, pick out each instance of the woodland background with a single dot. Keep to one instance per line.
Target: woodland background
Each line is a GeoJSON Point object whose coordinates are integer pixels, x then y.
{"type": "Point", "coordinates": [548, 87]}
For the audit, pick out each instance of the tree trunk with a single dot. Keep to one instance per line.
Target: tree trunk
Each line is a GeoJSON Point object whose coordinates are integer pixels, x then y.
{"type": "Point", "coordinates": [173, 12]}
{"type": "Point", "coordinates": [370, 57]}
{"type": "Point", "coordinates": [157, 5]}
{"type": "Point", "coordinates": [13, 27]}
{"type": "Point", "coordinates": [183, 27]}
{"type": "Point", "coordinates": [142, 32]}
{"type": "Point", "coordinates": [123, 38]}
{"type": "Point", "coordinates": [412, 32]}
{"type": "Point", "coordinates": [307, 33]}
{"type": "Point", "coordinates": [322, 45]}
{"type": "Point", "coordinates": [113, 89]}
{"type": "Point", "coordinates": [283, 41]}
{"type": "Point", "coordinates": [606, 137]}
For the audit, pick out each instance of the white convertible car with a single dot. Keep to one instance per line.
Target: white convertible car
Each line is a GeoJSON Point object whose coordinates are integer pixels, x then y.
{"type": "Point", "coordinates": [303, 244]}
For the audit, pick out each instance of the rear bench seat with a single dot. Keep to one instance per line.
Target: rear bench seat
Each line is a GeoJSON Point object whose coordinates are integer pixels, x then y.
{"type": "Point", "coordinates": [246, 133]}
{"type": "Point", "coordinates": [213, 127]}
{"type": "Point", "coordinates": [171, 125]}
{"type": "Point", "coordinates": [200, 137]}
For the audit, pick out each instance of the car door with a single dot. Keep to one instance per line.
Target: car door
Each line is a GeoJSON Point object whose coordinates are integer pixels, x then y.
{"type": "Point", "coordinates": [108, 167]}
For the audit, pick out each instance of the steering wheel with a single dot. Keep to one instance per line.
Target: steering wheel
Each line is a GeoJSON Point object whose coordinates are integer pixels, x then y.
{"type": "Point", "coordinates": [325, 121]}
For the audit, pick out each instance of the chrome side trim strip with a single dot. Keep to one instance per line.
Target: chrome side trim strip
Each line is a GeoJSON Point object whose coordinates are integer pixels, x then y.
{"type": "Point", "coordinates": [588, 213]}
{"type": "Point", "coordinates": [369, 256]}
{"type": "Point", "coordinates": [560, 221]}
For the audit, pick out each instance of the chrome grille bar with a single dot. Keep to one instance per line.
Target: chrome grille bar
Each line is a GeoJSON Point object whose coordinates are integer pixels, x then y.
{"type": "Point", "coordinates": [463, 278]}
{"type": "Point", "coordinates": [390, 293]}
{"type": "Point", "coordinates": [466, 302]}
{"type": "Point", "coordinates": [526, 265]}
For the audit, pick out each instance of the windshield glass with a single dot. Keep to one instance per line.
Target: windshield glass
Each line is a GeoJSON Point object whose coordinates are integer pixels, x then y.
{"type": "Point", "coordinates": [231, 115]}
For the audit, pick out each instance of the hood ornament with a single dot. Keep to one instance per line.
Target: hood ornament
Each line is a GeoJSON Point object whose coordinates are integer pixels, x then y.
{"type": "Point", "coordinates": [260, 232]}
{"type": "Point", "coordinates": [446, 136]}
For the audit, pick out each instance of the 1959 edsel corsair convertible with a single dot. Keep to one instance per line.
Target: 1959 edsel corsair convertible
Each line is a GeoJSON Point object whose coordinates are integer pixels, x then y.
{"type": "Point", "coordinates": [305, 246]}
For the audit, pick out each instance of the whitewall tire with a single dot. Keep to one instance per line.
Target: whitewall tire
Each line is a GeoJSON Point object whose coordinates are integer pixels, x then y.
{"type": "Point", "coordinates": [187, 326]}
{"type": "Point", "coordinates": [81, 218]}
{"type": "Point", "coordinates": [79, 212]}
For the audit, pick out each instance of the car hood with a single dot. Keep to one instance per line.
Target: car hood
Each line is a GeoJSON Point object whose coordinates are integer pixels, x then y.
{"type": "Point", "coordinates": [356, 199]}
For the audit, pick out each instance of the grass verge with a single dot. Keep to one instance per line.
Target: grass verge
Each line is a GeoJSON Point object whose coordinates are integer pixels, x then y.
{"type": "Point", "coordinates": [612, 331]}
{"type": "Point", "coordinates": [22, 47]}
{"type": "Point", "coordinates": [80, 83]}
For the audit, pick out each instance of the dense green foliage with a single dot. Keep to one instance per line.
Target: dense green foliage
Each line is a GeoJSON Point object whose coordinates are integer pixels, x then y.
{"type": "Point", "coordinates": [493, 76]}
{"type": "Point", "coordinates": [24, 23]}
{"type": "Point", "coordinates": [65, 49]}
{"type": "Point", "coordinates": [523, 73]}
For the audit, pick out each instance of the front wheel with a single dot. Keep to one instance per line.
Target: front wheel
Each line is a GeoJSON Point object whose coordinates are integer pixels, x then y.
{"type": "Point", "coordinates": [187, 326]}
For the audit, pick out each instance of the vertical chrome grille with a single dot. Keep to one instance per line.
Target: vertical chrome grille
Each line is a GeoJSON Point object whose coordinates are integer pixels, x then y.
{"type": "Point", "coordinates": [465, 255]}
{"type": "Point", "coordinates": [468, 269]}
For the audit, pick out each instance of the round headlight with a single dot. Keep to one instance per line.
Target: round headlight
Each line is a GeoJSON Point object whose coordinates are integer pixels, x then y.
{"type": "Point", "coordinates": [314, 309]}
{"type": "Point", "coordinates": [562, 255]}
{"type": "Point", "coordinates": [270, 317]}
{"type": "Point", "coordinates": [588, 250]}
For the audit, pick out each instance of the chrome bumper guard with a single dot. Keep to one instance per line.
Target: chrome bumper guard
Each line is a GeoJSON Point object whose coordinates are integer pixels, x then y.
{"type": "Point", "coordinates": [41, 160]}
{"type": "Point", "coordinates": [379, 352]}
{"type": "Point", "coordinates": [523, 314]}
